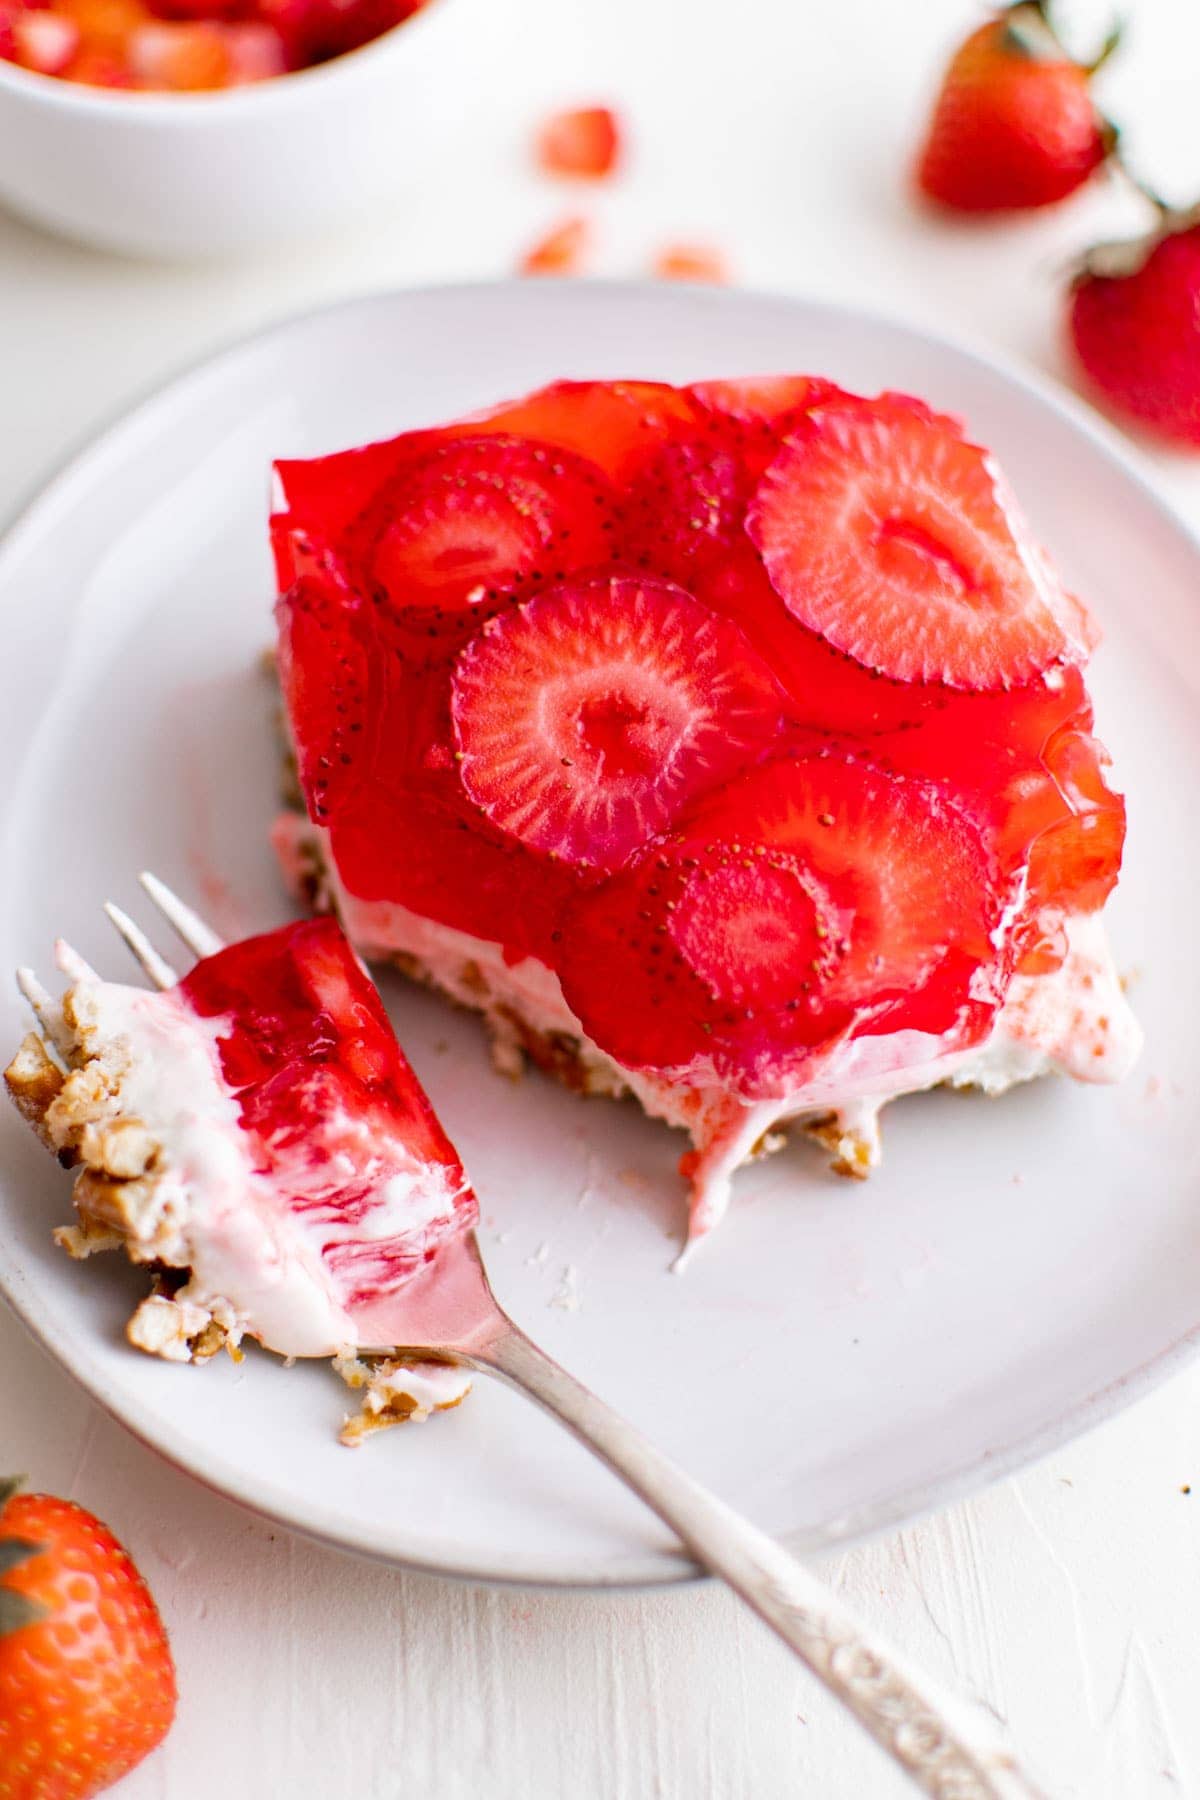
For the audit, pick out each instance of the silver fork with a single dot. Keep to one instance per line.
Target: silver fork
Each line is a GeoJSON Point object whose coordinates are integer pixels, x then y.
{"type": "Point", "coordinates": [944, 1747]}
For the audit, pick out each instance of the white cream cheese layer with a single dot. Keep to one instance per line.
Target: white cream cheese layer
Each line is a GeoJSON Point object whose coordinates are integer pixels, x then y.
{"type": "Point", "coordinates": [1075, 1020]}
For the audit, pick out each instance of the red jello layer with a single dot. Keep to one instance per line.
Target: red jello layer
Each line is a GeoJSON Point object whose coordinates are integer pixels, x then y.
{"type": "Point", "coordinates": [690, 693]}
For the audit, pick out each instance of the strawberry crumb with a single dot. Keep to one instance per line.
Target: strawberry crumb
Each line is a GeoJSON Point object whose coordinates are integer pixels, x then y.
{"type": "Point", "coordinates": [583, 143]}
{"type": "Point", "coordinates": [691, 262]}
{"type": "Point", "coordinates": [561, 252]}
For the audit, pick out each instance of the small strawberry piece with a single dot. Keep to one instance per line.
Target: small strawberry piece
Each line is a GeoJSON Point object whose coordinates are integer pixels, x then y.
{"type": "Point", "coordinates": [299, 25]}
{"type": "Point", "coordinates": [45, 41]}
{"type": "Point", "coordinates": [256, 53]}
{"type": "Point", "coordinates": [1134, 320]}
{"type": "Point", "coordinates": [584, 142]}
{"type": "Point", "coordinates": [101, 69]}
{"type": "Point", "coordinates": [314, 31]}
{"type": "Point", "coordinates": [182, 11]}
{"type": "Point", "coordinates": [809, 900]}
{"type": "Point", "coordinates": [562, 251]}
{"type": "Point", "coordinates": [587, 719]}
{"type": "Point", "coordinates": [1014, 125]}
{"type": "Point", "coordinates": [901, 544]}
{"type": "Point", "coordinates": [349, 24]}
{"type": "Point", "coordinates": [104, 25]}
{"type": "Point", "coordinates": [691, 262]}
{"type": "Point", "coordinates": [86, 1676]}
{"type": "Point", "coordinates": [181, 46]}
{"type": "Point", "coordinates": [182, 58]}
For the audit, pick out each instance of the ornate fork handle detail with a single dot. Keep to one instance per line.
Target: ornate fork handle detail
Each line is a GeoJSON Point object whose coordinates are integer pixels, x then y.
{"type": "Point", "coordinates": [888, 1704]}
{"type": "Point", "coordinates": [945, 1751]}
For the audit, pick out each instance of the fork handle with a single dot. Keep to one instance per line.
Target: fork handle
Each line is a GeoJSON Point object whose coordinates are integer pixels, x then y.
{"type": "Point", "coordinates": [944, 1751]}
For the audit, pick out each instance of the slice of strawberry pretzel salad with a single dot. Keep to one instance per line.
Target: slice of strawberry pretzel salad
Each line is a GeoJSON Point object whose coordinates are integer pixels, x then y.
{"type": "Point", "coordinates": [728, 745]}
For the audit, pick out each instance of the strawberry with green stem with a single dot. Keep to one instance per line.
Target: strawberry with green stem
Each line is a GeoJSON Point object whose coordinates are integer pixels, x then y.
{"type": "Point", "coordinates": [1014, 125]}
{"type": "Point", "coordinates": [1133, 316]}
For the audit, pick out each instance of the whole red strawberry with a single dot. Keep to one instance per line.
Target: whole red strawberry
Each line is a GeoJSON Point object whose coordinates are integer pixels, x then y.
{"type": "Point", "coordinates": [1134, 319]}
{"type": "Point", "coordinates": [87, 1684]}
{"type": "Point", "coordinates": [1014, 125]}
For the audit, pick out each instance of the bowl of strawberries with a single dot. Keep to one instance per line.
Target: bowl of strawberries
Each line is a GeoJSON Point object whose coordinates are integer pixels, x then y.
{"type": "Point", "coordinates": [189, 128]}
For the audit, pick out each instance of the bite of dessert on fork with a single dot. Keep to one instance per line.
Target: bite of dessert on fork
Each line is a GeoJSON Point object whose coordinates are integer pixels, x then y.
{"type": "Point", "coordinates": [253, 1135]}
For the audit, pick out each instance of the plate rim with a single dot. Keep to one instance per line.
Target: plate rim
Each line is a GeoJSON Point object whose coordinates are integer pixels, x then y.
{"type": "Point", "coordinates": [648, 1569]}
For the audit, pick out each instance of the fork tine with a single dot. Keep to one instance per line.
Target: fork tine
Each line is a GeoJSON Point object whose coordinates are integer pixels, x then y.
{"type": "Point", "coordinates": [157, 968]}
{"type": "Point", "coordinates": [188, 925]}
{"type": "Point", "coordinates": [45, 1010]}
{"type": "Point", "coordinates": [71, 963]}
{"type": "Point", "coordinates": [38, 996]}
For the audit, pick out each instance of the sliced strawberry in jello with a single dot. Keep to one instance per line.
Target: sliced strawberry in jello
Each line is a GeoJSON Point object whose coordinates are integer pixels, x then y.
{"type": "Point", "coordinates": [687, 496]}
{"type": "Point", "coordinates": [761, 410]}
{"type": "Point", "coordinates": [319, 497]}
{"type": "Point", "coordinates": [587, 719]}
{"type": "Point", "coordinates": [1029, 770]}
{"type": "Point", "coordinates": [610, 425]}
{"type": "Point", "coordinates": [809, 900]}
{"type": "Point", "coordinates": [900, 543]}
{"type": "Point", "coordinates": [685, 506]}
{"type": "Point", "coordinates": [480, 514]}
{"type": "Point", "coordinates": [750, 417]}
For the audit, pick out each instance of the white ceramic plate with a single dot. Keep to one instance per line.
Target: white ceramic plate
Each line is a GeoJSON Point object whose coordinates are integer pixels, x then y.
{"type": "Point", "coordinates": [839, 1356]}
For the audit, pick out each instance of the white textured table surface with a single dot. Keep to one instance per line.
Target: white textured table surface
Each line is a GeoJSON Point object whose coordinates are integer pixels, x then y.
{"type": "Point", "coordinates": [1069, 1599]}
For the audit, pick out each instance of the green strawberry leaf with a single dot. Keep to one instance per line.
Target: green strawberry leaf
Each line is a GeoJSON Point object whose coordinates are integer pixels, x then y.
{"type": "Point", "coordinates": [15, 1550]}
{"type": "Point", "coordinates": [17, 1611]}
{"type": "Point", "coordinates": [9, 1485]}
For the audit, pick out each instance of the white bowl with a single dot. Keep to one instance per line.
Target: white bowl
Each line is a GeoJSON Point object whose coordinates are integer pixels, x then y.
{"type": "Point", "coordinates": [187, 175]}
